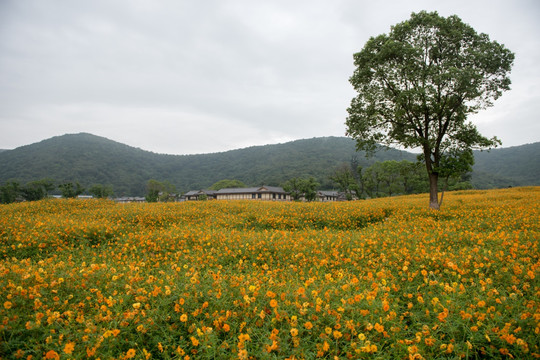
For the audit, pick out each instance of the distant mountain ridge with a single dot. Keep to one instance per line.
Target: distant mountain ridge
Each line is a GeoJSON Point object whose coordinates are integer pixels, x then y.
{"type": "Point", "coordinates": [91, 159]}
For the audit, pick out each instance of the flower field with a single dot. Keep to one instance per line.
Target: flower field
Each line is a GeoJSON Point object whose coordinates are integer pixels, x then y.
{"type": "Point", "coordinates": [377, 279]}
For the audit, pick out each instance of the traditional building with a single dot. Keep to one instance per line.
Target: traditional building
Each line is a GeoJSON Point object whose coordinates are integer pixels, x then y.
{"type": "Point", "coordinates": [268, 193]}
{"type": "Point", "coordinates": [325, 196]}
{"type": "Point", "coordinates": [272, 193]}
{"type": "Point", "coordinates": [199, 195]}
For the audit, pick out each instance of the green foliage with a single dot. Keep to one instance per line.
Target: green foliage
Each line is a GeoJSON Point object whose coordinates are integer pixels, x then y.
{"type": "Point", "coordinates": [294, 188]}
{"type": "Point", "coordinates": [161, 191]}
{"type": "Point", "coordinates": [309, 187]}
{"type": "Point", "coordinates": [388, 178]}
{"type": "Point", "coordinates": [417, 85]}
{"type": "Point", "coordinates": [70, 190]}
{"type": "Point", "coordinates": [37, 190]}
{"type": "Point", "coordinates": [9, 192]}
{"type": "Point", "coordinates": [300, 188]}
{"type": "Point", "coordinates": [346, 182]}
{"type": "Point", "coordinates": [12, 191]}
{"type": "Point", "coordinates": [225, 183]}
{"type": "Point", "coordinates": [92, 160]}
{"type": "Point", "coordinates": [512, 166]}
{"type": "Point", "coordinates": [101, 191]}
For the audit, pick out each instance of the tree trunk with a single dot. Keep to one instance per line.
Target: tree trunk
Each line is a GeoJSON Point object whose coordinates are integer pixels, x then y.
{"type": "Point", "coordinates": [433, 191]}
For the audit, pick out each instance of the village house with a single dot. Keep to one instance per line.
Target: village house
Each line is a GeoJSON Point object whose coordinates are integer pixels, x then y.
{"type": "Point", "coordinates": [199, 195]}
{"type": "Point", "coordinates": [272, 193]}
{"type": "Point", "coordinates": [325, 196]}
{"type": "Point", "coordinates": [124, 200]}
{"type": "Point", "coordinates": [268, 193]}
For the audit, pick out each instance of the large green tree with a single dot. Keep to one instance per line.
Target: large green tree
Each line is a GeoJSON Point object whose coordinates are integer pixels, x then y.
{"type": "Point", "coordinates": [101, 191]}
{"type": "Point", "coordinates": [417, 84]}
{"type": "Point", "coordinates": [70, 190]}
{"type": "Point", "coordinates": [346, 181]}
{"type": "Point", "coordinates": [302, 187]}
{"type": "Point", "coordinates": [162, 191]}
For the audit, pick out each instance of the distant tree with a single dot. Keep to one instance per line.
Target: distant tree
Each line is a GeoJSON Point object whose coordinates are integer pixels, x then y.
{"type": "Point", "coordinates": [299, 187]}
{"type": "Point", "coordinates": [417, 85]}
{"type": "Point", "coordinates": [225, 184]}
{"type": "Point", "coordinates": [412, 177]}
{"type": "Point", "coordinates": [309, 187]}
{"type": "Point", "coordinates": [346, 181]}
{"type": "Point", "coordinates": [373, 177]}
{"type": "Point", "coordinates": [390, 176]}
{"type": "Point", "coordinates": [454, 164]}
{"type": "Point", "coordinates": [70, 190]}
{"type": "Point", "coordinates": [9, 191]}
{"type": "Point", "coordinates": [294, 188]}
{"type": "Point", "coordinates": [101, 191]}
{"type": "Point", "coordinates": [37, 190]}
{"type": "Point", "coordinates": [159, 190]}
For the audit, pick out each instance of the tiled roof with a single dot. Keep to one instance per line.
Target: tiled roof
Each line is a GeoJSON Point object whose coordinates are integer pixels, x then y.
{"type": "Point", "coordinates": [251, 190]}
{"type": "Point", "coordinates": [198, 192]}
{"type": "Point", "coordinates": [328, 193]}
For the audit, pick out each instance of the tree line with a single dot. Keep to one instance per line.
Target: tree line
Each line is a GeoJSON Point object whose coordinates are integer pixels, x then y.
{"type": "Point", "coordinates": [391, 177]}
{"type": "Point", "coordinates": [13, 191]}
{"type": "Point", "coordinates": [383, 178]}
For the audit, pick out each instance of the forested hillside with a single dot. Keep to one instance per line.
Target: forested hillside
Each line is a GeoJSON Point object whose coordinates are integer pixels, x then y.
{"type": "Point", "coordinates": [91, 159]}
{"type": "Point", "coordinates": [513, 166]}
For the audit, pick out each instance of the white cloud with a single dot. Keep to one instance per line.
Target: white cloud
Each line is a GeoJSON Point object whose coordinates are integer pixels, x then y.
{"type": "Point", "coordinates": [148, 72]}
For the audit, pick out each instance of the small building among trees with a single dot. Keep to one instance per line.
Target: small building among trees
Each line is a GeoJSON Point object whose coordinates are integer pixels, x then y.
{"type": "Point", "coordinates": [269, 193]}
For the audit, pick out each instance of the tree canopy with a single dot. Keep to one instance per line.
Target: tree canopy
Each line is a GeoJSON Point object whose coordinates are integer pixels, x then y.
{"type": "Point", "coordinates": [302, 188]}
{"type": "Point", "coordinates": [417, 85]}
{"type": "Point", "coordinates": [226, 183]}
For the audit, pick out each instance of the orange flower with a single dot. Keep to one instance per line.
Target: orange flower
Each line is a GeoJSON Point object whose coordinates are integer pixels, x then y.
{"type": "Point", "coordinates": [51, 354]}
{"type": "Point", "coordinates": [308, 325]}
{"type": "Point", "coordinates": [130, 354]}
{"type": "Point", "coordinates": [8, 304]}
{"type": "Point", "coordinates": [273, 303]}
{"type": "Point", "coordinates": [183, 318]}
{"type": "Point", "coordinates": [68, 349]}
{"type": "Point", "coordinates": [294, 332]}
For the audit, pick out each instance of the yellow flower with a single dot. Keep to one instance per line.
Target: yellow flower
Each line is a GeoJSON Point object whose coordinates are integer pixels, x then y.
{"type": "Point", "coordinates": [294, 332]}
{"type": "Point", "coordinates": [183, 318]}
{"type": "Point", "coordinates": [130, 354]}
{"type": "Point", "coordinates": [68, 349]}
{"type": "Point", "coordinates": [326, 346]}
{"type": "Point", "coordinates": [243, 337]}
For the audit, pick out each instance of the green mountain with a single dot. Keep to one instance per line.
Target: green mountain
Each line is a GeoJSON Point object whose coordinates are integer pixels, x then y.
{"type": "Point", "coordinates": [513, 166]}
{"type": "Point", "coordinates": [91, 159]}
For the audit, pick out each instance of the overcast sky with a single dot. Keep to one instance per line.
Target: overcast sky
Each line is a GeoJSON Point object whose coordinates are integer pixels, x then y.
{"type": "Point", "coordinates": [188, 76]}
